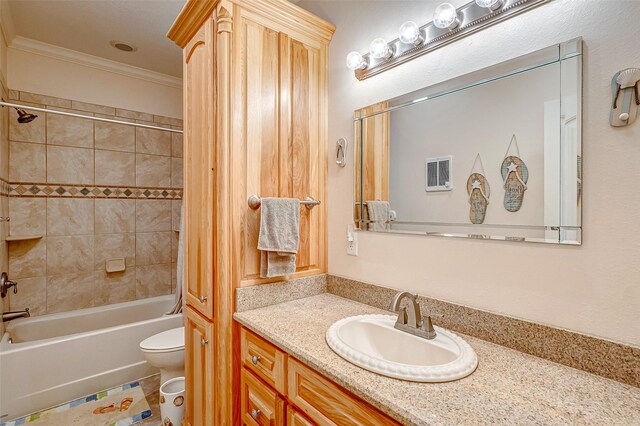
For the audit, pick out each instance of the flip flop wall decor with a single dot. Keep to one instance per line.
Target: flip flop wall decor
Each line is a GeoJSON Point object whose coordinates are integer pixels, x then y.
{"type": "Point", "coordinates": [515, 176]}
{"type": "Point", "coordinates": [479, 192]}
{"type": "Point", "coordinates": [626, 99]}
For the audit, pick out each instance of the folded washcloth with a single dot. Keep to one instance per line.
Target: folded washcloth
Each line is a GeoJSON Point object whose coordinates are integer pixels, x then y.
{"type": "Point", "coordinates": [279, 236]}
{"type": "Point", "coordinates": [378, 212]}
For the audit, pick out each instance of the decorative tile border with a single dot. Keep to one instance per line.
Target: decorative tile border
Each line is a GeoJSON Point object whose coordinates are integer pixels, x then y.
{"type": "Point", "coordinates": [24, 190]}
{"type": "Point", "coordinates": [5, 188]}
{"type": "Point", "coordinates": [597, 356]}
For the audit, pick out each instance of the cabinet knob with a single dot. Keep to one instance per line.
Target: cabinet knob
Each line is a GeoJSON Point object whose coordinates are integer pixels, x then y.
{"type": "Point", "coordinates": [203, 299]}
{"type": "Point", "coordinates": [255, 359]}
{"type": "Point", "coordinates": [255, 413]}
{"type": "Point", "coordinates": [204, 341]}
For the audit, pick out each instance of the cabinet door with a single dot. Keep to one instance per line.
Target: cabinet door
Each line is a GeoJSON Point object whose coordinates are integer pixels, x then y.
{"type": "Point", "coordinates": [198, 369]}
{"type": "Point", "coordinates": [198, 170]}
{"type": "Point", "coordinates": [296, 418]}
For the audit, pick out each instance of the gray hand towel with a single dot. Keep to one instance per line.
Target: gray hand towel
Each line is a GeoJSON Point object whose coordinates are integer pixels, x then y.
{"type": "Point", "coordinates": [279, 236]}
{"type": "Point", "coordinates": [378, 215]}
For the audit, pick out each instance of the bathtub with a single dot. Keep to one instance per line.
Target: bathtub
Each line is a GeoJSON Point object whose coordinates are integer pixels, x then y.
{"type": "Point", "coordinates": [52, 359]}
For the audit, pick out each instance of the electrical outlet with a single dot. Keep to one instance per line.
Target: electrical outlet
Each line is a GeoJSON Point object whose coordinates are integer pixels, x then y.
{"type": "Point", "coordinates": [352, 240]}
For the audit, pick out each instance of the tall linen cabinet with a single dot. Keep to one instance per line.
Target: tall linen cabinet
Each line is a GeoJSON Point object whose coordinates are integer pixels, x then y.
{"type": "Point", "coordinates": [255, 120]}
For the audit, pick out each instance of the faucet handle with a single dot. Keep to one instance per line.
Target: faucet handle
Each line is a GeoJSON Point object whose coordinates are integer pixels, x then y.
{"type": "Point", "coordinates": [402, 316]}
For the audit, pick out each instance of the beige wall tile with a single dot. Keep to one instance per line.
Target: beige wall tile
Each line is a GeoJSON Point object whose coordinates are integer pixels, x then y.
{"type": "Point", "coordinates": [69, 131]}
{"type": "Point", "coordinates": [45, 100]}
{"type": "Point", "coordinates": [70, 216]}
{"type": "Point", "coordinates": [153, 215]}
{"type": "Point", "coordinates": [175, 240]}
{"type": "Point", "coordinates": [27, 258]}
{"type": "Point", "coordinates": [71, 254]}
{"type": "Point", "coordinates": [134, 114]}
{"type": "Point", "coordinates": [153, 248]}
{"type": "Point", "coordinates": [174, 281]}
{"type": "Point", "coordinates": [150, 141]}
{"type": "Point", "coordinates": [177, 145]}
{"type": "Point", "coordinates": [115, 168]}
{"type": "Point", "coordinates": [114, 246]}
{"type": "Point", "coordinates": [115, 216]}
{"type": "Point", "coordinates": [115, 287]}
{"type": "Point", "coordinates": [69, 292]}
{"type": "Point", "coordinates": [176, 172]}
{"type": "Point", "coordinates": [32, 294]}
{"type": "Point", "coordinates": [28, 216]}
{"type": "Point", "coordinates": [167, 120]}
{"type": "Point", "coordinates": [14, 95]}
{"type": "Point", "coordinates": [28, 162]}
{"type": "Point", "coordinates": [153, 170]}
{"type": "Point", "coordinates": [176, 207]}
{"type": "Point", "coordinates": [153, 280]}
{"type": "Point", "coordinates": [69, 165]}
{"type": "Point", "coordinates": [27, 132]}
{"type": "Point", "coordinates": [98, 109]}
{"type": "Point", "coordinates": [115, 137]}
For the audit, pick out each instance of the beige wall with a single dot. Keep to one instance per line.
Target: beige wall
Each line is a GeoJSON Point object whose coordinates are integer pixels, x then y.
{"type": "Point", "coordinates": [104, 191]}
{"type": "Point", "coordinates": [4, 157]}
{"type": "Point", "coordinates": [594, 288]}
{"type": "Point", "coordinates": [36, 73]}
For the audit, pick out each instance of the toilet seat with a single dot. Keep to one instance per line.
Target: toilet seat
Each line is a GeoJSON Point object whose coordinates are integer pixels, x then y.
{"type": "Point", "coordinates": [167, 341]}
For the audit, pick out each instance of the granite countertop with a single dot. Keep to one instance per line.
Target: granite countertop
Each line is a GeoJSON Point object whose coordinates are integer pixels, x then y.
{"type": "Point", "coordinates": [508, 387]}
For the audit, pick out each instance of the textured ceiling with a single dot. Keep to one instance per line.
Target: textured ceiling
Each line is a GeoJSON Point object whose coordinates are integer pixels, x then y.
{"type": "Point", "coordinates": [88, 26]}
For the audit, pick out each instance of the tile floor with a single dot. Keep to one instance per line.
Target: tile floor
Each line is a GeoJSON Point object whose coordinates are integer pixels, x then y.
{"type": "Point", "coordinates": [151, 387]}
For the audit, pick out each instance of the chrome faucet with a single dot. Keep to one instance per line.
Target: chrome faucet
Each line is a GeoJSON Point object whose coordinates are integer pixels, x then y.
{"type": "Point", "coordinates": [411, 320]}
{"type": "Point", "coordinates": [8, 316]}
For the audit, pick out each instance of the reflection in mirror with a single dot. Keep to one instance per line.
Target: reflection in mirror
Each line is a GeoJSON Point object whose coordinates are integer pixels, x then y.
{"type": "Point", "coordinates": [495, 154]}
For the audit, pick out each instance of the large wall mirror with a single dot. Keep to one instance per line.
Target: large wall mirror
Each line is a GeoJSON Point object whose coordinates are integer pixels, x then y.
{"type": "Point", "coordinates": [496, 154]}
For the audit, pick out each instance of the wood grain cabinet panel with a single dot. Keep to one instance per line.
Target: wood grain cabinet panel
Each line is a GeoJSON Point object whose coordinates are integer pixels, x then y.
{"type": "Point", "coordinates": [326, 403]}
{"type": "Point", "coordinates": [296, 418]}
{"type": "Point", "coordinates": [198, 170]}
{"type": "Point", "coordinates": [265, 360]}
{"type": "Point", "coordinates": [261, 406]}
{"type": "Point", "coordinates": [199, 397]}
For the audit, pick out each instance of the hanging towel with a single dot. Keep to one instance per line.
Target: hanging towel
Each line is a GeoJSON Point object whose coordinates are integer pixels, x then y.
{"type": "Point", "coordinates": [378, 212]}
{"type": "Point", "coordinates": [279, 236]}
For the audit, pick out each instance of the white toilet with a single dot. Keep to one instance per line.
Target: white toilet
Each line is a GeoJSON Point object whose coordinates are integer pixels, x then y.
{"type": "Point", "coordinates": [166, 351]}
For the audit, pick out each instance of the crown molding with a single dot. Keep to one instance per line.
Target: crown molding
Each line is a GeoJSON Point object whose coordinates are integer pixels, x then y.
{"type": "Point", "coordinates": [73, 56]}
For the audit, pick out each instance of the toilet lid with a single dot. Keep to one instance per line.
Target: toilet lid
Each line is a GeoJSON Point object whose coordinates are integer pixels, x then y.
{"type": "Point", "coordinates": [170, 339]}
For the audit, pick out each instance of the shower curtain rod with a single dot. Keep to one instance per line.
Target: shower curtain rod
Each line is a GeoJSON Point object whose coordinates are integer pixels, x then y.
{"type": "Point", "coordinates": [88, 117]}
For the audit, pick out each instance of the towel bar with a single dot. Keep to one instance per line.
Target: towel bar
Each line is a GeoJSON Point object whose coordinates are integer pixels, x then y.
{"type": "Point", "coordinates": [309, 202]}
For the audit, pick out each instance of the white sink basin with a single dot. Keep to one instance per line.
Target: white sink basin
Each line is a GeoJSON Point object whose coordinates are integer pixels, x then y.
{"type": "Point", "coordinates": [371, 342]}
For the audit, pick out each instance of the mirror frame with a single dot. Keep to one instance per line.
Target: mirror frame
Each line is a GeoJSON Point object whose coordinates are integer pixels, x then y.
{"type": "Point", "coordinates": [569, 53]}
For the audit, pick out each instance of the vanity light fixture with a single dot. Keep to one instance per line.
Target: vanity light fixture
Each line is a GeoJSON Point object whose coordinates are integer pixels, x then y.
{"type": "Point", "coordinates": [379, 49]}
{"type": "Point", "coordinates": [355, 61]}
{"type": "Point", "coordinates": [410, 33]}
{"type": "Point", "coordinates": [449, 24]}
{"type": "Point", "coordinates": [446, 16]}
{"type": "Point", "coordinates": [490, 4]}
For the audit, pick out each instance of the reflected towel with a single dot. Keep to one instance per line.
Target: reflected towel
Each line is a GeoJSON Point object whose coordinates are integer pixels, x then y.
{"type": "Point", "coordinates": [279, 236]}
{"type": "Point", "coordinates": [378, 212]}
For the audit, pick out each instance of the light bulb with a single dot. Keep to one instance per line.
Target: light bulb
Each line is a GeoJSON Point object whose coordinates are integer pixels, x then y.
{"type": "Point", "coordinates": [355, 61]}
{"type": "Point", "coordinates": [446, 16]}
{"type": "Point", "coordinates": [379, 49]}
{"type": "Point", "coordinates": [490, 4]}
{"type": "Point", "coordinates": [410, 33]}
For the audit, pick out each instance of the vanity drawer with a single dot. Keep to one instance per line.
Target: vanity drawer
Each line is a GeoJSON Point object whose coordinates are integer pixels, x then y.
{"type": "Point", "coordinates": [264, 359]}
{"type": "Point", "coordinates": [261, 406]}
{"type": "Point", "coordinates": [326, 403]}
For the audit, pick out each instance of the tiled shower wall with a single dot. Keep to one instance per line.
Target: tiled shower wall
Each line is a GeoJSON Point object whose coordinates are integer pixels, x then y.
{"type": "Point", "coordinates": [4, 192]}
{"type": "Point", "coordinates": [89, 191]}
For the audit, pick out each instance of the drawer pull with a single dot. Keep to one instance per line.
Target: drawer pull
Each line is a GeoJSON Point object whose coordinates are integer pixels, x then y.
{"type": "Point", "coordinates": [203, 342]}
{"type": "Point", "coordinates": [255, 413]}
{"type": "Point", "coordinates": [255, 359]}
{"type": "Point", "coordinates": [203, 299]}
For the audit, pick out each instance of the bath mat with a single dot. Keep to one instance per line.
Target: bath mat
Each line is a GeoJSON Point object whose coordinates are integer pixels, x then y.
{"type": "Point", "coordinates": [120, 406]}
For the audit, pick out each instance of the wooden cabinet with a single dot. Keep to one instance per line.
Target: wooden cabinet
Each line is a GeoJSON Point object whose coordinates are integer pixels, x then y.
{"type": "Point", "coordinates": [311, 398]}
{"type": "Point", "coordinates": [265, 360]}
{"type": "Point", "coordinates": [198, 170]}
{"type": "Point", "coordinates": [198, 369]}
{"type": "Point", "coordinates": [255, 122]}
